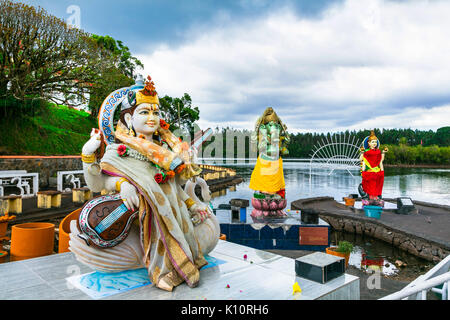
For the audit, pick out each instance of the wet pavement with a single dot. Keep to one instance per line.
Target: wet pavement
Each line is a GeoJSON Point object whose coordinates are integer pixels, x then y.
{"type": "Point", "coordinates": [430, 225]}
{"type": "Point", "coordinates": [370, 287]}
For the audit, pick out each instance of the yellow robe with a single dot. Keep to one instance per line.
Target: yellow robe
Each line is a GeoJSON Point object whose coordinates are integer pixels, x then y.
{"type": "Point", "coordinates": [267, 176]}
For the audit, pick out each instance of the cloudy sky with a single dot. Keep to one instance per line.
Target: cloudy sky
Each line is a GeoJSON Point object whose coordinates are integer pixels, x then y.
{"type": "Point", "coordinates": [322, 65]}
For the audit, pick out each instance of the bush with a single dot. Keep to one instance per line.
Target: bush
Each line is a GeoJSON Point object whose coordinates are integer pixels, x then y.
{"type": "Point", "coordinates": [417, 155]}
{"type": "Point", "coordinates": [344, 247]}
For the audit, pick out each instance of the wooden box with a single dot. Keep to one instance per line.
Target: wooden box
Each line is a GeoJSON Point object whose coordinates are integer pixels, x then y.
{"type": "Point", "coordinates": [319, 267]}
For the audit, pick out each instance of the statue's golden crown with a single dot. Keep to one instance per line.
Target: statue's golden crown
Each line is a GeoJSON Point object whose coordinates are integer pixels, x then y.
{"type": "Point", "coordinates": [148, 94]}
{"type": "Point", "coordinates": [271, 117]}
{"type": "Point", "coordinates": [372, 136]}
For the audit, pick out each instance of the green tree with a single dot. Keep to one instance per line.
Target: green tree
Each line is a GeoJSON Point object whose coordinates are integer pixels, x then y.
{"type": "Point", "coordinates": [123, 60]}
{"type": "Point", "coordinates": [120, 73]}
{"type": "Point", "coordinates": [179, 112]}
{"type": "Point", "coordinates": [403, 141]}
{"type": "Point", "coordinates": [442, 137]}
{"type": "Point", "coordinates": [41, 56]}
{"type": "Point", "coordinates": [111, 79]}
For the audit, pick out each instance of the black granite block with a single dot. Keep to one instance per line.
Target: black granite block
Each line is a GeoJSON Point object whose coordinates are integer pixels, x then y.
{"type": "Point", "coordinates": [405, 205]}
{"type": "Point", "coordinates": [309, 216]}
{"type": "Point", "coordinates": [241, 203]}
{"type": "Point", "coordinates": [319, 267]}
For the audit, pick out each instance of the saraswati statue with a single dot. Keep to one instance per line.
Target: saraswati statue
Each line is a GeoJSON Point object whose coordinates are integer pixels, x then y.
{"type": "Point", "coordinates": [372, 171]}
{"type": "Point", "coordinates": [267, 179]}
{"type": "Point", "coordinates": [144, 219]}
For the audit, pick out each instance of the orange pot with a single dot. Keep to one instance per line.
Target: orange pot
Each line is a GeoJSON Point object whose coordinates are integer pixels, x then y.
{"type": "Point", "coordinates": [64, 230]}
{"type": "Point", "coordinates": [3, 227]}
{"type": "Point", "coordinates": [31, 240]}
{"type": "Point", "coordinates": [349, 201]}
{"type": "Point", "coordinates": [223, 237]}
{"type": "Point", "coordinates": [3, 255]}
{"type": "Point", "coordinates": [331, 250]}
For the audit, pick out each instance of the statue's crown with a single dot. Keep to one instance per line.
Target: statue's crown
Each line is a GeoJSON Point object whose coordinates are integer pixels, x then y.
{"type": "Point", "coordinates": [372, 136]}
{"type": "Point", "coordinates": [149, 89]}
{"type": "Point", "coordinates": [146, 94]}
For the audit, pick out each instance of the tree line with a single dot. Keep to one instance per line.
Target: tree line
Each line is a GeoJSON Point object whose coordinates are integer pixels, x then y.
{"type": "Point", "coordinates": [302, 144]}
{"type": "Point", "coordinates": [406, 146]}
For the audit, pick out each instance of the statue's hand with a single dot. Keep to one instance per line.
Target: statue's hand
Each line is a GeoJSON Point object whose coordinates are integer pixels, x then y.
{"type": "Point", "coordinates": [199, 213]}
{"type": "Point", "coordinates": [93, 143]}
{"type": "Point", "coordinates": [185, 153]}
{"type": "Point", "coordinates": [129, 195]}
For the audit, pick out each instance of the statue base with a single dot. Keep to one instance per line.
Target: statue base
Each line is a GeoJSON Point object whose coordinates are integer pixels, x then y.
{"type": "Point", "coordinates": [373, 202]}
{"type": "Point", "coordinates": [264, 208]}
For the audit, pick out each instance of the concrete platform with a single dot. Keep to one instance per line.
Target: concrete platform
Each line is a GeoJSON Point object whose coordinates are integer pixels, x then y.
{"type": "Point", "coordinates": [262, 276]}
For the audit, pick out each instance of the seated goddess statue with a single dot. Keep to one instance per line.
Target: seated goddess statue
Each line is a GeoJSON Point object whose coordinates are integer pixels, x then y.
{"type": "Point", "coordinates": [372, 171]}
{"type": "Point", "coordinates": [146, 164]}
{"type": "Point", "coordinates": [267, 179]}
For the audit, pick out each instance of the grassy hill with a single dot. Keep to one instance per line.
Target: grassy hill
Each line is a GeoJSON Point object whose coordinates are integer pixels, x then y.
{"type": "Point", "coordinates": [56, 130]}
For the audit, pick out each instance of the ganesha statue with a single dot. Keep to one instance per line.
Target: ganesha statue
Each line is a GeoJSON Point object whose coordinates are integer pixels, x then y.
{"type": "Point", "coordinates": [144, 218]}
{"type": "Point", "coordinates": [267, 179]}
{"type": "Point", "coordinates": [372, 171]}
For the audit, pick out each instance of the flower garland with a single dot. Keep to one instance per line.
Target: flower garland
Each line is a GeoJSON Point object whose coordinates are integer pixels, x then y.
{"type": "Point", "coordinates": [160, 177]}
{"type": "Point", "coordinates": [122, 151]}
{"type": "Point", "coordinates": [163, 177]}
{"type": "Point", "coordinates": [163, 124]}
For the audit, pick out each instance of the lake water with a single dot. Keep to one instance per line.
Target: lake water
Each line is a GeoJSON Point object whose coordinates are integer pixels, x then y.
{"type": "Point", "coordinates": [429, 185]}
{"type": "Point", "coordinates": [423, 184]}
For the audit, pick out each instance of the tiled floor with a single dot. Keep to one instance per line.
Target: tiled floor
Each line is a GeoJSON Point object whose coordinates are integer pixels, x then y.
{"type": "Point", "coordinates": [261, 276]}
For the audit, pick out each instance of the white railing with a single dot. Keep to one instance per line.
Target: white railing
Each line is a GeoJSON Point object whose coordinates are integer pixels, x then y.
{"type": "Point", "coordinates": [19, 179]}
{"type": "Point", "coordinates": [417, 290]}
{"type": "Point", "coordinates": [70, 177]}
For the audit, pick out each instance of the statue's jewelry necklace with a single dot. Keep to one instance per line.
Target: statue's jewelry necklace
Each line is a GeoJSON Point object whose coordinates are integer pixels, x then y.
{"type": "Point", "coordinates": [161, 176]}
{"type": "Point", "coordinates": [137, 155]}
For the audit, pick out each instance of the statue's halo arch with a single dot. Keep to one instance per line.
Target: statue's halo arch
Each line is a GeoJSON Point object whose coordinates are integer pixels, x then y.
{"type": "Point", "coordinates": [107, 109]}
{"type": "Point", "coordinates": [365, 142]}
